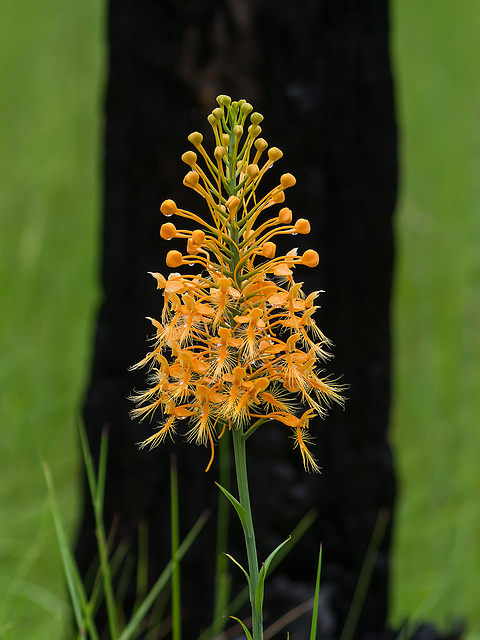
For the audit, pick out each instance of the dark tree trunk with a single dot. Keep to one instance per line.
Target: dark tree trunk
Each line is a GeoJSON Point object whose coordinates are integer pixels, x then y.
{"type": "Point", "coordinates": [320, 74]}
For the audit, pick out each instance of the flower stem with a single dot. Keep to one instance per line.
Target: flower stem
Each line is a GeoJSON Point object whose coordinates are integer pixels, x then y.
{"type": "Point", "coordinates": [239, 449]}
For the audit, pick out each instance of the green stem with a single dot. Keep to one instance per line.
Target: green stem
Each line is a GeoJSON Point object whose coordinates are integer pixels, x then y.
{"type": "Point", "coordinates": [239, 449]}
{"type": "Point", "coordinates": [222, 575]}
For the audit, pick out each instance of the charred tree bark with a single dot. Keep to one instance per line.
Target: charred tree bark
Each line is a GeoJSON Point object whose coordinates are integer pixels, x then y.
{"type": "Point", "coordinates": [320, 74]}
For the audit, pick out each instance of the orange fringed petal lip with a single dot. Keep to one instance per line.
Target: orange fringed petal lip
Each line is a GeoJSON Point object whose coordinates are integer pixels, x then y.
{"type": "Point", "coordinates": [236, 344]}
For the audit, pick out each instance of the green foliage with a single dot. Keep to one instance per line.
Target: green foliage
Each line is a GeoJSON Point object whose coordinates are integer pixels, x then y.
{"type": "Point", "coordinates": [437, 312]}
{"type": "Point", "coordinates": [313, 629]}
{"type": "Point", "coordinates": [51, 58]}
{"type": "Point", "coordinates": [84, 605]}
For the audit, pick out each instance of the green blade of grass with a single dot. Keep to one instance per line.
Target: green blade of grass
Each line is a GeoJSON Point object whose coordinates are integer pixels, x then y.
{"type": "Point", "coordinates": [132, 626]}
{"type": "Point", "coordinates": [313, 629]}
{"type": "Point", "coordinates": [81, 608]}
{"type": "Point", "coordinates": [97, 489]}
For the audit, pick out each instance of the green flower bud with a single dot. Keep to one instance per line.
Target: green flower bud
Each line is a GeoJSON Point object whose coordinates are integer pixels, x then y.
{"type": "Point", "coordinates": [254, 130]}
{"type": "Point", "coordinates": [238, 131]}
{"type": "Point", "coordinates": [256, 118]}
{"type": "Point", "coordinates": [223, 100]}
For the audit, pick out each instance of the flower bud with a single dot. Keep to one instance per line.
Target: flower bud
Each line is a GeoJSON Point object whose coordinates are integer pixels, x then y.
{"type": "Point", "coordinates": [287, 180]}
{"type": "Point", "coordinates": [168, 208]}
{"type": "Point", "coordinates": [168, 231]}
{"type": "Point", "coordinates": [302, 226]}
{"type": "Point", "coordinates": [226, 139]}
{"type": "Point", "coordinates": [212, 120]}
{"type": "Point", "coordinates": [269, 249]}
{"type": "Point", "coordinates": [191, 179]}
{"type": "Point", "coordinates": [192, 248]}
{"type": "Point", "coordinates": [279, 197]}
{"type": "Point", "coordinates": [198, 237]}
{"type": "Point", "coordinates": [260, 144]}
{"type": "Point", "coordinates": [232, 202]}
{"type": "Point", "coordinates": [256, 118]}
{"type": "Point", "coordinates": [246, 108]}
{"type": "Point", "coordinates": [195, 138]}
{"type": "Point", "coordinates": [174, 259]}
{"type": "Point", "coordinates": [218, 113]}
{"type": "Point", "coordinates": [275, 154]}
{"type": "Point", "coordinates": [310, 258]}
{"type": "Point", "coordinates": [223, 100]}
{"type": "Point", "coordinates": [253, 171]}
{"type": "Point", "coordinates": [285, 215]}
{"type": "Point", "coordinates": [238, 131]}
{"type": "Point", "coordinates": [190, 158]}
{"type": "Point", "coordinates": [254, 130]}
{"type": "Point", "coordinates": [219, 153]}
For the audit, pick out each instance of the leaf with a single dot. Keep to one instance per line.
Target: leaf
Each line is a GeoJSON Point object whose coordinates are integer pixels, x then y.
{"type": "Point", "coordinates": [239, 565]}
{"type": "Point", "coordinates": [247, 632]}
{"type": "Point", "coordinates": [80, 604]}
{"type": "Point", "coordinates": [313, 629]}
{"type": "Point", "coordinates": [245, 519]}
{"type": "Point", "coordinates": [263, 574]}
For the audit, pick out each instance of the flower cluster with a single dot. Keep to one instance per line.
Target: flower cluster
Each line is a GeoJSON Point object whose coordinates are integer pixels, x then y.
{"type": "Point", "coordinates": [237, 343]}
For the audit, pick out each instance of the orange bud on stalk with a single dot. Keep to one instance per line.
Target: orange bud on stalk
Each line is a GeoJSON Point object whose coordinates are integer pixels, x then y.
{"type": "Point", "coordinates": [278, 198]}
{"type": "Point", "coordinates": [168, 231]}
{"type": "Point", "coordinates": [287, 180]}
{"type": "Point", "coordinates": [198, 237]}
{"type": "Point", "coordinates": [285, 215]}
{"type": "Point", "coordinates": [191, 179]}
{"type": "Point", "coordinates": [174, 259]}
{"type": "Point", "coordinates": [192, 248]}
{"type": "Point", "coordinates": [310, 258]}
{"type": "Point", "coordinates": [219, 152]}
{"type": "Point", "coordinates": [269, 249]}
{"type": "Point", "coordinates": [190, 158]}
{"type": "Point", "coordinates": [302, 226]}
{"type": "Point", "coordinates": [168, 208]}
{"type": "Point", "coordinates": [275, 154]}
{"type": "Point", "coordinates": [261, 144]}
{"type": "Point", "coordinates": [232, 202]}
{"type": "Point", "coordinates": [195, 138]}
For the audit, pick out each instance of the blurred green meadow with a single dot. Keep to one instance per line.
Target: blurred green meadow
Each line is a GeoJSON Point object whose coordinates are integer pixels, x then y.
{"type": "Point", "coordinates": [52, 64]}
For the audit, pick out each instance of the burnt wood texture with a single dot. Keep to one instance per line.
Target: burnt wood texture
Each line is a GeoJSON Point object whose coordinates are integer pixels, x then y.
{"type": "Point", "coordinates": [319, 71]}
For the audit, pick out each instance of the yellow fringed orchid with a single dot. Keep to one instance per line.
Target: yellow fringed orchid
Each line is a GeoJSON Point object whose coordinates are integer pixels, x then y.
{"type": "Point", "coordinates": [236, 342]}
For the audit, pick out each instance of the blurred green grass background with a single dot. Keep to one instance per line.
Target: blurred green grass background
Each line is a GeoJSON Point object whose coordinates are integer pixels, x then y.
{"type": "Point", "coordinates": [52, 63]}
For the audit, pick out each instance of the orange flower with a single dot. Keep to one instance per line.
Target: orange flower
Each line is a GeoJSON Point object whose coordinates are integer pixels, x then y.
{"type": "Point", "coordinates": [236, 344]}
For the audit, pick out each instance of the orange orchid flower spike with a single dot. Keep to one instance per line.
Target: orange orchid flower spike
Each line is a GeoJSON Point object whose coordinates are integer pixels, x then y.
{"type": "Point", "coordinates": [237, 344]}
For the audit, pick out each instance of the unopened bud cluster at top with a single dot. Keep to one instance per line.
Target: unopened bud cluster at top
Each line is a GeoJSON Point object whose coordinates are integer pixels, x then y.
{"type": "Point", "coordinates": [236, 344]}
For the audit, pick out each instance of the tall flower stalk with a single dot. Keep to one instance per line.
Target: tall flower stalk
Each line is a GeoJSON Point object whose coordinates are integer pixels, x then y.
{"type": "Point", "coordinates": [237, 344]}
